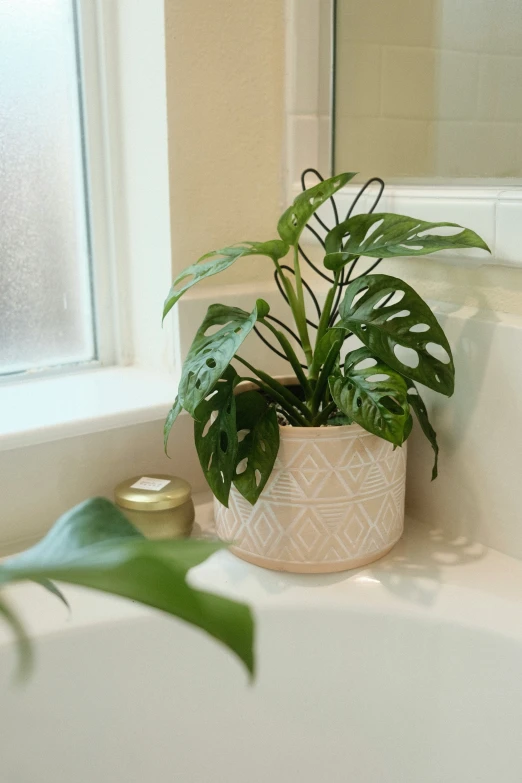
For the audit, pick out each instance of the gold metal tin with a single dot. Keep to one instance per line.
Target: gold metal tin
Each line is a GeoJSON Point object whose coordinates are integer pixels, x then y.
{"type": "Point", "coordinates": [167, 512]}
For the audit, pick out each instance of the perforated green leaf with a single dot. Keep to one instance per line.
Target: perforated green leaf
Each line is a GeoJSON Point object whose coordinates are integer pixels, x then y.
{"type": "Point", "coordinates": [387, 327]}
{"type": "Point", "coordinates": [385, 235]}
{"type": "Point", "coordinates": [294, 219]}
{"type": "Point", "coordinates": [374, 397]}
{"type": "Point", "coordinates": [210, 355]}
{"type": "Point", "coordinates": [419, 408]}
{"type": "Point", "coordinates": [94, 545]}
{"type": "Point", "coordinates": [259, 431]}
{"type": "Point", "coordinates": [217, 261]}
{"type": "Point", "coordinates": [215, 436]}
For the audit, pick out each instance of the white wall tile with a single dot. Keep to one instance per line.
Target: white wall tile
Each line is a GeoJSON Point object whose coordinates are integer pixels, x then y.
{"type": "Point", "coordinates": [484, 149]}
{"type": "Point", "coordinates": [408, 82]}
{"type": "Point", "coordinates": [359, 93]}
{"type": "Point", "coordinates": [382, 146]}
{"type": "Point", "coordinates": [456, 85]}
{"type": "Point", "coordinates": [500, 92]}
{"type": "Point", "coordinates": [480, 25]}
{"type": "Point", "coordinates": [509, 232]}
{"type": "Point", "coordinates": [478, 494]}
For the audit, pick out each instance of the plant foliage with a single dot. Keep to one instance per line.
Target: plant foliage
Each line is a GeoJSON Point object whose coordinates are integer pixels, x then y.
{"type": "Point", "coordinates": [94, 545]}
{"type": "Point", "coordinates": [338, 382]}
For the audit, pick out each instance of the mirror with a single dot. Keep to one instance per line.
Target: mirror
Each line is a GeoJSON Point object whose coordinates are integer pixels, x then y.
{"type": "Point", "coordinates": [429, 89]}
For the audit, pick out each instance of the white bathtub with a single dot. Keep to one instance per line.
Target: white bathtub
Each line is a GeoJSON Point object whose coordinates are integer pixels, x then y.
{"type": "Point", "coordinates": [408, 671]}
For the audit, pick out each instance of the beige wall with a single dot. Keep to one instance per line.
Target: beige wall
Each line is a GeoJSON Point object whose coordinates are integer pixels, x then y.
{"type": "Point", "coordinates": [225, 93]}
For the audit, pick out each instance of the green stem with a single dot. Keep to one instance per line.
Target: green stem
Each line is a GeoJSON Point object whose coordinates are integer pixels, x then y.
{"type": "Point", "coordinates": [284, 395]}
{"type": "Point", "coordinates": [323, 326]}
{"type": "Point", "coordinates": [292, 358]}
{"type": "Point", "coordinates": [323, 416]}
{"type": "Point", "coordinates": [322, 382]}
{"type": "Point", "coordinates": [300, 310]}
{"type": "Point", "coordinates": [289, 289]}
{"type": "Point", "coordinates": [293, 417]}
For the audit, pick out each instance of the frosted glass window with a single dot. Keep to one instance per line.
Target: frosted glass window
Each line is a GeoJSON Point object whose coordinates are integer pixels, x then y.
{"type": "Point", "coordinates": [46, 312]}
{"type": "Point", "coordinates": [429, 88]}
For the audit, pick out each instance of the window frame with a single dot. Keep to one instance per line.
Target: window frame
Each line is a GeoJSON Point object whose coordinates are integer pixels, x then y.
{"type": "Point", "coordinates": [492, 208]}
{"type": "Point", "coordinates": [129, 208]}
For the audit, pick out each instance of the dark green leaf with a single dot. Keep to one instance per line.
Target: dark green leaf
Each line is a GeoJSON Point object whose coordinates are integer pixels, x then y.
{"type": "Point", "coordinates": [295, 218]}
{"type": "Point", "coordinates": [408, 427]}
{"type": "Point", "coordinates": [419, 408]}
{"type": "Point", "coordinates": [95, 546]}
{"type": "Point", "coordinates": [51, 588]}
{"type": "Point", "coordinates": [374, 397]}
{"type": "Point", "coordinates": [385, 235]}
{"type": "Point", "coordinates": [217, 261]}
{"type": "Point", "coordinates": [210, 355]}
{"type": "Point", "coordinates": [169, 421]}
{"type": "Point", "coordinates": [338, 421]}
{"type": "Point", "coordinates": [215, 435]}
{"type": "Point", "coordinates": [389, 328]}
{"type": "Point", "coordinates": [257, 451]}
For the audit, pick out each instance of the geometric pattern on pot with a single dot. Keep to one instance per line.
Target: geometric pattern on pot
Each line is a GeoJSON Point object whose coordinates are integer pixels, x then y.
{"type": "Point", "coordinates": [334, 499]}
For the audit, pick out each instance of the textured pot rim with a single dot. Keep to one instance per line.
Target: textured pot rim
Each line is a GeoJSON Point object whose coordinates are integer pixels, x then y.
{"type": "Point", "coordinates": [289, 431]}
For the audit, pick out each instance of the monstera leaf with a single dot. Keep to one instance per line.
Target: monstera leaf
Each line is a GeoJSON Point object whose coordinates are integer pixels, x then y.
{"type": "Point", "coordinates": [294, 219]}
{"type": "Point", "coordinates": [169, 421]}
{"type": "Point", "coordinates": [419, 408]}
{"type": "Point", "coordinates": [215, 435]}
{"type": "Point", "coordinates": [259, 431]}
{"type": "Point", "coordinates": [385, 235]}
{"type": "Point", "coordinates": [217, 261]}
{"type": "Point", "coordinates": [374, 397]}
{"type": "Point", "coordinates": [210, 355]}
{"type": "Point", "coordinates": [387, 327]}
{"type": "Point", "coordinates": [94, 545]}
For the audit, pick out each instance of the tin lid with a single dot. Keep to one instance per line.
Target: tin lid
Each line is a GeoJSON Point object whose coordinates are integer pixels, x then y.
{"type": "Point", "coordinates": [154, 492]}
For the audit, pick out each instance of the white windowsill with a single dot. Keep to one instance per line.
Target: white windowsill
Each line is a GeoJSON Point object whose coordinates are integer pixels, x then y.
{"type": "Point", "coordinates": [91, 401]}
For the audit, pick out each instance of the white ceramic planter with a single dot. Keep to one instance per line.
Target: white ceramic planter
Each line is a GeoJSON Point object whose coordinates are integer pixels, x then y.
{"type": "Point", "coordinates": [334, 501]}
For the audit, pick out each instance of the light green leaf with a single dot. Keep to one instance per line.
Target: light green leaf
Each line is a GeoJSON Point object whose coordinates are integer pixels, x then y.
{"type": "Point", "coordinates": [387, 329]}
{"type": "Point", "coordinates": [374, 397]}
{"type": "Point", "coordinates": [385, 235]}
{"type": "Point", "coordinates": [331, 338]}
{"type": "Point", "coordinates": [169, 421]}
{"type": "Point", "coordinates": [95, 546]}
{"type": "Point", "coordinates": [294, 219]}
{"type": "Point", "coordinates": [217, 261]}
{"type": "Point", "coordinates": [257, 451]}
{"type": "Point", "coordinates": [215, 436]}
{"type": "Point", "coordinates": [210, 355]}
{"type": "Point", "coordinates": [419, 408]}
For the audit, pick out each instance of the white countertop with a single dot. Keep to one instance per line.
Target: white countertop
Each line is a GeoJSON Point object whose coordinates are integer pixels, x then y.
{"type": "Point", "coordinates": [426, 575]}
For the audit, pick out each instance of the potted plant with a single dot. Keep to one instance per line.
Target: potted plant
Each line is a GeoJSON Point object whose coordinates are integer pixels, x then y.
{"type": "Point", "coordinates": [308, 472]}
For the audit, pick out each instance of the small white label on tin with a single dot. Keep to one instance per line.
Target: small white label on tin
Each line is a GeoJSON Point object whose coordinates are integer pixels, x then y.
{"type": "Point", "coordinates": [152, 484]}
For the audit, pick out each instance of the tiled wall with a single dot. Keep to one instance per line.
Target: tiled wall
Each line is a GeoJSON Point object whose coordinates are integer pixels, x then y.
{"type": "Point", "coordinates": [429, 87]}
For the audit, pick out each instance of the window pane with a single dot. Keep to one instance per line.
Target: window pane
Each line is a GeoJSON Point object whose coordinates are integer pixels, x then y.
{"type": "Point", "coordinates": [46, 314]}
{"type": "Point", "coordinates": [429, 88]}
